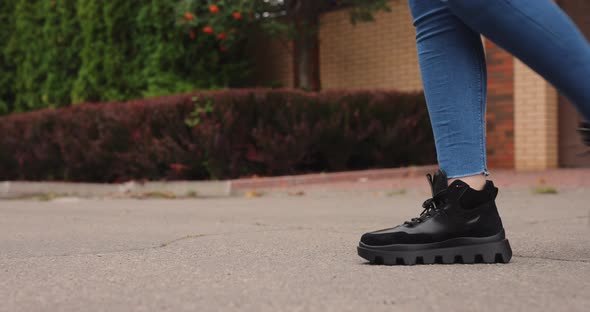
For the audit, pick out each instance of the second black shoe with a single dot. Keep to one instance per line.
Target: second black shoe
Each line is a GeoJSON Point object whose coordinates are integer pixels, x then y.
{"type": "Point", "coordinates": [458, 225]}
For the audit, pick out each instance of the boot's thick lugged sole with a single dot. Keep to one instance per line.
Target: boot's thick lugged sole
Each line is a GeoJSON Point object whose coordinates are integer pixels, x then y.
{"type": "Point", "coordinates": [493, 249]}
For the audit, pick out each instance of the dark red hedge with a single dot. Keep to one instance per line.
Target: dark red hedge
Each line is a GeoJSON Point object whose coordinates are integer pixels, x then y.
{"type": "Point", "coordinates": [218, 135]}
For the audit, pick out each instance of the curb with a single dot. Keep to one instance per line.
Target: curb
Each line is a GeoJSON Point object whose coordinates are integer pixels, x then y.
{"type": "Point", "coordinates": [15, 189]}
{"type": "Point", "coordinates": [10, 189]}
{"type": "Point", "coordinates": [241, 185]}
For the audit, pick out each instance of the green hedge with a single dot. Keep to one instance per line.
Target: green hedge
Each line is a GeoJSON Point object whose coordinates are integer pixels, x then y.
{"type": "Point", "coordinates": [217, 135]}
{"type": "Point", "coordinates": [54, 53]}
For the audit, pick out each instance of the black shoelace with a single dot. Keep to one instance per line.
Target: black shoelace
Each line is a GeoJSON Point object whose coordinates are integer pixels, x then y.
{"type": "Point", "coordinates": [431, 206]}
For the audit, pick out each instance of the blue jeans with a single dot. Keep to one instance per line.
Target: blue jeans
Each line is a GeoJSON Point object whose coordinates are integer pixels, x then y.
{"type": "Point", "coordinates": [453, 66]}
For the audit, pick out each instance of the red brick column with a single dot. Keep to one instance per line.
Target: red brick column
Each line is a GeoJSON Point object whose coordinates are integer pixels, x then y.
{"type": "Point", "coordinates": [500, 108]}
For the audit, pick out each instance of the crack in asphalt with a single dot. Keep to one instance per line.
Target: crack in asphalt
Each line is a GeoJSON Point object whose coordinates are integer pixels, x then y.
{"type": "Point", "coordinates": [90, 253]}
{"type": "Point", "coordinates": [158, 246]}
{"type": "Point", "coordinates": [165, 244]}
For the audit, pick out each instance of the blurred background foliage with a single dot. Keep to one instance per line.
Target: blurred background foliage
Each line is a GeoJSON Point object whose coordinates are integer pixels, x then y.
{"type": "Point", "coordinates": [57, 52]}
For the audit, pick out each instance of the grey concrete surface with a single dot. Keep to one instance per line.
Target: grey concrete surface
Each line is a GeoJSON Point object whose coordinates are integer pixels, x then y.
{"type": "Point", "coordinates": [278, 253]}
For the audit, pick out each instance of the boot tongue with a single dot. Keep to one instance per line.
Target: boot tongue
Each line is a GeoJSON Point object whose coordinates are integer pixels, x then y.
{"type": "Point", "coordinates": [439, 182]}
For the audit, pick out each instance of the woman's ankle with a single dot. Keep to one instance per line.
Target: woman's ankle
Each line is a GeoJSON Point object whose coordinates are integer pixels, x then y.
{"type": "Point", "coordinates": [476, 182]}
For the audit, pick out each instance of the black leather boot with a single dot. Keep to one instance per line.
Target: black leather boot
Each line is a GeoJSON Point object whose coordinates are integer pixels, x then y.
{"type": "Point", "coordinates": [458, 225]}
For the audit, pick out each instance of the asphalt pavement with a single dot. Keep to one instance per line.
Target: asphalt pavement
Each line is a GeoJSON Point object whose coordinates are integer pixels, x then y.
{"type": "Point", "coordinates": [283, 251]}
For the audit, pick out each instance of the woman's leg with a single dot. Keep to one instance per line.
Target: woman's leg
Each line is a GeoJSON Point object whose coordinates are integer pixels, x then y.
{"type": "Point", "coordinates": [453, 68]}
{"type": "Point", "coordinates": [540, 34]}
{"type": "Point", "coordinates": [460, 223]}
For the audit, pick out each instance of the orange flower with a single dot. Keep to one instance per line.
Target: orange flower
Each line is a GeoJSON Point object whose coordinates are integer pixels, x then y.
{"type": "Point", "coordinates": [188, 16]}
{"type": "Point", "coordinates": [213, 9]}
{"type": "Point", "coordinates": [222, 49]}
{"type": "Point", "coordinates": [237, 15]}
{"type": "Point", "coordinates": [208, 30]}
{"type": "Point", "coordinates": [221, 36]}
{"type": "Point", "coordinates": [192, 35]}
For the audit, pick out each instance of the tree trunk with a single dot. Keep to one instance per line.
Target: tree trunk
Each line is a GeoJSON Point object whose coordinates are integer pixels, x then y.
{"type": "Point", "coordinates": [305, 19]}
{"type": "Point", "coordinates": [306, 63]}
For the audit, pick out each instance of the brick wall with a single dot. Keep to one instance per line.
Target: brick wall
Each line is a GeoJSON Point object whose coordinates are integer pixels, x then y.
{"type": "Point", "coordinates": [535, 120]}
{"type": "Point", "coordinates": [500, 108]}
{"type": "Point", "coordinates": [377, 55]}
